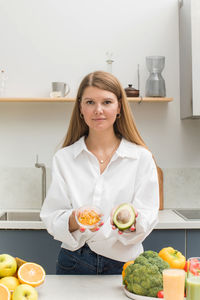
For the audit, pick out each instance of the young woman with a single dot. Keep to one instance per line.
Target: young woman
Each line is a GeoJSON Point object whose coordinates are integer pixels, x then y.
{"type": "Point", "coordinates": [103, 162]}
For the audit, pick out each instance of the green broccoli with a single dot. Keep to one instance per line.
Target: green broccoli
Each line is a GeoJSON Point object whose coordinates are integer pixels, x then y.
{"type": "Point", "coordinates": [144, 277]}
{"type": "Point", "coordinates": [154, 258]}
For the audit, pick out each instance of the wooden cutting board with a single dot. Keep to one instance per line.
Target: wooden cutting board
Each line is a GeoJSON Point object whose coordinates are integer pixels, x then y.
{"type": "Point", "coordinates": [160, 179]}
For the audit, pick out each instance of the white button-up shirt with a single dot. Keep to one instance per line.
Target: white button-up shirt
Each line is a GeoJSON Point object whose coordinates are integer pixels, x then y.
{"type": "Point", "coordinates": [130, 176]}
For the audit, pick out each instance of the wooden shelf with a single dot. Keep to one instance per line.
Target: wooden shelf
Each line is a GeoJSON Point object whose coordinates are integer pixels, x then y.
{"type": "Point", "coordinates": [136, 99]}
{"type": "Point", "coordinates": [149, 99]}
{"type": "Point", "coordinates": [37, 99]}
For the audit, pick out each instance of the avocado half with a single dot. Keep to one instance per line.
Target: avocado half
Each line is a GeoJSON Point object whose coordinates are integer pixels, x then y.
{"type": "Point", "coordinates": [124, 216]}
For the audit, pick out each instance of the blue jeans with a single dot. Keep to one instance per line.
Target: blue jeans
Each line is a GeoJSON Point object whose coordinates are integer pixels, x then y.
{"type": "Point", "coordinates": [86, 262]}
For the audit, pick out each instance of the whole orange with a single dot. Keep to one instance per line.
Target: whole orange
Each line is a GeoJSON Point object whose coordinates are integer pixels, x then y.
{"type": "Point", "coordinates": [124, 268]}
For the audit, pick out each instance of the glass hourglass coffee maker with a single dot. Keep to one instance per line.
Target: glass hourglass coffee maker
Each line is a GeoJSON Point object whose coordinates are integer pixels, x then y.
{"type": "Point", "coordinates": [155, 84]}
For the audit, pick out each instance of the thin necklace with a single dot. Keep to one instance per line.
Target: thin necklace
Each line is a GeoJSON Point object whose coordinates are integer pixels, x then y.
{"type": "Point", "coordinates": [102, 161]}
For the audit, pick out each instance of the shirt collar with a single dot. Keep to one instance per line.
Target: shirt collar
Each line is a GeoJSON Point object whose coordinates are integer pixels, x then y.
{"type": "Point", "coordinates": [79, 146]}
{"type": "Point", "coordinates": [125, 149]}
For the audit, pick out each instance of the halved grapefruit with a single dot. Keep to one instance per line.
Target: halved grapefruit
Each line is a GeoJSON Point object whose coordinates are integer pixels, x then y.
{"type": "Point", "coordinates": [31, 273]}
{"type": "Point", "coordinates": [4, 292]}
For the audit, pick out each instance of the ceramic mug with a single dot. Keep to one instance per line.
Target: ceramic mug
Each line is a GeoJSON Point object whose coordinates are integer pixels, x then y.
{"type": "Point", "coordinates": [60, 89]}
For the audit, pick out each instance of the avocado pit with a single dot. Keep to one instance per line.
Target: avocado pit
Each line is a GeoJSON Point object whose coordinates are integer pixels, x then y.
{"type": "Point", "coordinates": [123, 216]}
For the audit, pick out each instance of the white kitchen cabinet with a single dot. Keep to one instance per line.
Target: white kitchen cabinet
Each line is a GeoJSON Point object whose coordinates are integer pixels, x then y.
{"type": "Point", "coordinates": [189, 26]}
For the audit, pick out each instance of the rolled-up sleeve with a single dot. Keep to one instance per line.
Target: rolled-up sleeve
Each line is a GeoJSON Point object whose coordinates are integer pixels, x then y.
{"type": "Point", "coordinates": [146, 202]}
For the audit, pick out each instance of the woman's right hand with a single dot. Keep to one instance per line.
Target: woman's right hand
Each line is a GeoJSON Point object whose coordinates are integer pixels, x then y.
{"type": "Point", "coordinates": [73, 225]}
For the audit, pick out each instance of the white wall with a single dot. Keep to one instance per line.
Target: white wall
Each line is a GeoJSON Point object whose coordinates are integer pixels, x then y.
{"type": "Point", "coordinates": [45, 41]}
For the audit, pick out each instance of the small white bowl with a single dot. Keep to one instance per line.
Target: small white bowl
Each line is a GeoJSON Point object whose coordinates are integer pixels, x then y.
{"type": "Point", "coordinates": [89, 208]}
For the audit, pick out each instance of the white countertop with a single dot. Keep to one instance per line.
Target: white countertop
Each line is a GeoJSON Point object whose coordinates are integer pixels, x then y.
{"type": "Point", "coordinates": [168, 219]}
{"type": "Point", "coordinates": [84, 287]}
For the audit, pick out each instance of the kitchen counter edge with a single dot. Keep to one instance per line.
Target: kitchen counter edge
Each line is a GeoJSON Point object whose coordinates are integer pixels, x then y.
{"type": "Point", "coordinates": [168, 219]}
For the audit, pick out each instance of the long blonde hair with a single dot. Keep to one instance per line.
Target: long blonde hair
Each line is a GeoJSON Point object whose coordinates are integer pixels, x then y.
{"type": "Point", "coordinates": [123, 126]}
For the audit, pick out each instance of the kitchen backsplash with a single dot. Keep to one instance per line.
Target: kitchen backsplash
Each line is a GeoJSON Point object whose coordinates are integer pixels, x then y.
{"type": "Point", "coordinates": [22, 187]}
{"type": "Point", "coordinates": [181, 188]}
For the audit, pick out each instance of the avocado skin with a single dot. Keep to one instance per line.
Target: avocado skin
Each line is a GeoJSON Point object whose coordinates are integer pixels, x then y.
{"type": "Point", "coordinates": [131, 221]}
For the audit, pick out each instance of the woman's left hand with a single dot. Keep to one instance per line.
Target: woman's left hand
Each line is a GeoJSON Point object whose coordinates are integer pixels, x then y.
{"type": "Point", "coordinates": [131, 229]}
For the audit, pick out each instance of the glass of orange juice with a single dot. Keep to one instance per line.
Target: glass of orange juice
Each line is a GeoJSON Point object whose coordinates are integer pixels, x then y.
{"type": "Point", "coordinates": [173, 284]}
